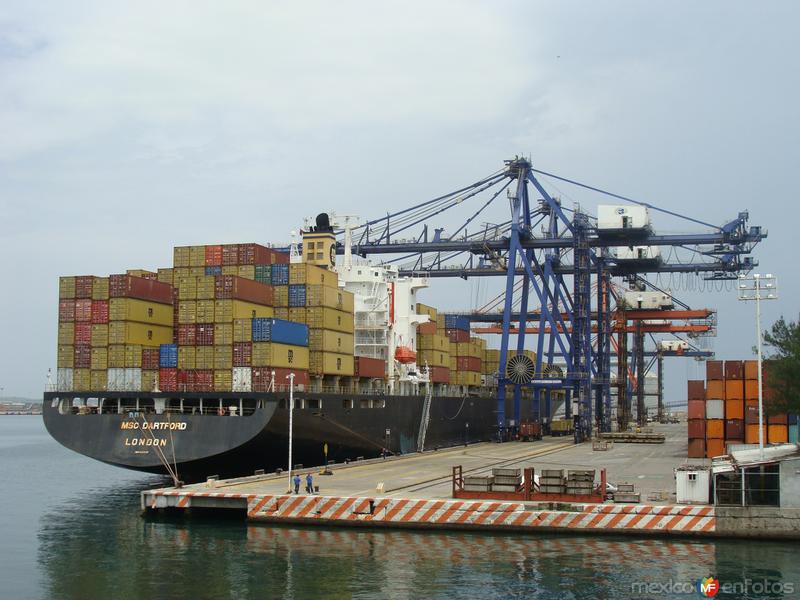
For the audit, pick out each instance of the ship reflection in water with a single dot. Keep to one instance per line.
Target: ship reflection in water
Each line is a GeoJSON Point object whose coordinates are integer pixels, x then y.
{"type": "Point", "coordinates": [98, 546]}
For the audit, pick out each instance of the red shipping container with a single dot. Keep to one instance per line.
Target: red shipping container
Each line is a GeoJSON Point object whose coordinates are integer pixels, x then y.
{"type": "Point", "coordinates": [203, 380]}
{"type": "Point", "coordinates": [697, 429]}
{"type": "Point", "coordinates": [751, 369]}
{"type": "Point", "coordinates": [468, 363]}
{"type": "Point", "coordinates": [127, 286]}
{"type": "Point", "coordinates": [83, 310]}
{"type": "Point", "coordinates": [428, 328]}
{"type": "Point", "coordinates": [696, 389]}
{"type": "Point", "coordinates": [697, 409]}
{"type": "Point", "coordinates": [457, 336]}
{"type": "Point", "coordinates": [751, 412]}
{"type": "Point", "coordinates": [369, 367]}
{"type": "Point", "coordinates": [175, 318]}
{"type": "Point", "coordinates": [254, 254]}
{"type": "Point", "coordinates": [439, 374]}
{"type": "Point", "coordinates": [262, 378]}
{"type": "Point", "coordinates": [150, 358]}
{"type": "Point", "coordinates": [186, 380]}
{"type": "Point", "coordinates": [779, 419]}
{"type": "Point", "coordinates": [83, 356]}
{"type": "Point", "coordinates": [280, 258]}
{"type": "Point", "coordinates": [239, 288]}
{"type": "Point", "coordinates": [714, 369]}
{"type": "Point", "coordinates": [99, 311]}
{"type": "Point", "coordinates": [168, 380]}
{"type": "Point", "coordinates": [213, 255]}
{"type": "Point", "coordinates": [734, 369]}
{"type": "Point", "coordinates": [187, 335]}
{"type": "Point", "coordinates": [66, 311]}
{"type": "Point", "coordinates": [84, 285]}
{"type": "Point", "coordinates": [83, 334]}
{"type": "Point", "coordinates": [242, 354]}
{"type": "Point", "coordinates": [204, 335]}
{"type": "Point", "coordinates": [734, 430]}
{"type": "Point", "coordinates": [697, 448]}
{"type": "Point", "coordinates": [230, 254]}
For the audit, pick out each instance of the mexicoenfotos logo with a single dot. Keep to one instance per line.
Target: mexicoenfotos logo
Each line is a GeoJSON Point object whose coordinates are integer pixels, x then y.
{"type": "Point", "coordinates": [708, 586]}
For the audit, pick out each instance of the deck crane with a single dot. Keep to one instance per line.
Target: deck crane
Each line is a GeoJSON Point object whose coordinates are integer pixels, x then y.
{"type": "Point", "coordinates": [555, 269]}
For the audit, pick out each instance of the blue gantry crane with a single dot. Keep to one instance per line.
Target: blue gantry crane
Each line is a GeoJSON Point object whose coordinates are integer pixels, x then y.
{"type": "Point", "coordinates": [552, 275]}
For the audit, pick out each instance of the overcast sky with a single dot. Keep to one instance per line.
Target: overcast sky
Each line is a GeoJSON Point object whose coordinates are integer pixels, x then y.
{"type": "Point", "coordinates": [128, 128]}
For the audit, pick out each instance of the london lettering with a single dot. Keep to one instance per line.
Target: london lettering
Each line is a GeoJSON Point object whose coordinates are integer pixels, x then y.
{"type": "Point", "coordinates": [145, 442]}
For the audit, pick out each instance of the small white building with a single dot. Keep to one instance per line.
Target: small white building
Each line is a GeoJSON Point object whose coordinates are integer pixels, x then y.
{"type": "Point", "coordinates": [692, 484]}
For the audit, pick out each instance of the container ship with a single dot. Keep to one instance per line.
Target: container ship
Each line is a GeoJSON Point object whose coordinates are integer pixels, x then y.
{"type": "Point", "coordinates": [189, 370]}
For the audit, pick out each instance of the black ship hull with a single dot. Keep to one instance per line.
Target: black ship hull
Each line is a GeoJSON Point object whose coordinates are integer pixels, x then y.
{"type": "Point", "coordinates": [231, 434]}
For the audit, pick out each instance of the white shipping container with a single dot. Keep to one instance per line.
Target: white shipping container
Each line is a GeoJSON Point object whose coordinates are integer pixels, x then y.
{"type": "Point", "coordinates": [715, 409]}
{"type": "Point", "coordinates": [64, 380]}
{"type": "Point", "coordinates": [692, 486]}
{"type": "Point", "coordinates": [673, 345]}
{"type": "Point", "coordinates": [635, 253]}
{"type": "Point", "coordinates": [612, 217]}
{"type": "Point", "coordinates": [242, 379]}
{"type": "Point", "coordinates": [648, 300]}
{"type": "Point", "coordinates": [133, 380]}
{"type": "Point", "coordinates": [116, 380]}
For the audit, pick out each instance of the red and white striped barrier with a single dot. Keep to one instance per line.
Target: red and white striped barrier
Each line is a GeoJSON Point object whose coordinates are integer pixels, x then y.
{"type": "Point", "coordinates": [399, 512]}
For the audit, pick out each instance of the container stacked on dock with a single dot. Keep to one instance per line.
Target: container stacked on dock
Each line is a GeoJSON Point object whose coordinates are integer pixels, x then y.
{"type": "Point", "coordinates": [278, 348]}
{"type": "Point", "coordinates": [723, 410]}
{"type": "Point", "coordinates": [433, 346]}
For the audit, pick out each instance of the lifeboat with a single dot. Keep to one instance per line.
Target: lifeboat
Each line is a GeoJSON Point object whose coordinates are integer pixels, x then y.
{"type": "Point", "coordinates": [405, 355]}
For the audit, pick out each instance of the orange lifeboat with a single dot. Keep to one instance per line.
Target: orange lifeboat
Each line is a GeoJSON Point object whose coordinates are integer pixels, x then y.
{"type": "Point", "coordinates": [405, 355]}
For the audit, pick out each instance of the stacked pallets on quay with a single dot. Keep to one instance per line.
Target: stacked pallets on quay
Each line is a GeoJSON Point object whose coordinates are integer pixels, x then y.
{"type": "Point", "coordinates": [723, 410]}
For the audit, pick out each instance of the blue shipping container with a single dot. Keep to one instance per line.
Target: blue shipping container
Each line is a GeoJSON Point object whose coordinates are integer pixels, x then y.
{"type": "Point", "coordinates": [280, 274]}
{"type": "Point", "coordinates": [297, 295]}
{"type": "Point", "coordinates": [213, 270]}
{"type": "Point", "coordinates": [168, 356]}
{"type": "Point", "coordinates": [794, 430]}
{"type": "Point", "coordinates": [792, 419]}
{"type": "Point", "coordinates": [456, 322]}
{"type": "Point", "coordinates": [280, 332]}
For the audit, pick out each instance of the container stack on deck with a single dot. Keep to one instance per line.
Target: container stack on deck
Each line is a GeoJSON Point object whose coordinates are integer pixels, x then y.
{"type": "Point", "coordinates": [723, 410]}
{"type": "Point", "coordinates": [433, 346]}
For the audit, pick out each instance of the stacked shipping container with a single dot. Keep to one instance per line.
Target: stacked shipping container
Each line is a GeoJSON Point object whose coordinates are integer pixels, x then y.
{"type": "Point", "coordinates": [433, 347]}
{"type": "Point", "coordinates": [724, 410]}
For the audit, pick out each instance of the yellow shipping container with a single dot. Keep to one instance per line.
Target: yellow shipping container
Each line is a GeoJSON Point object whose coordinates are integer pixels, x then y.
{"type": "Point", "coordinates": [329, 297]}
{"type": "Point", "coordinates": [66, 333]}
{"type": "Point", "coordinates": [179, 273]}
{"type": "Point", "coordinates": [99, 335]}
{"type": "Point", "coordinates": [331, 363]}
{"type": "Point", "coordinates": [205, 287]}
{"type": "Point", "coordinates": [81, 380]}
{"type": "Point", "coordinates": [144, 273]}
{"type": "Point", "coordinates": [282, 313]}
{"type": "Point", "coordinates": [197, 256]}
{"type": "Point", "coordinates": [223, 380]}
{"type": "Point", "coordinates": [230, 270]}
{"type": "Point", "coordinates": [124, 356]}
{"type": "Point", "coordinates": [424, 309]}
{"type": "Point", "coordinates": [146, 334]}
{"type": "Point", "coordinates": [453, 364]}
{"type": "Point", "coordinates": [187, 357]}
{"type": "Point", "coordinates": [325, 340]}
{"type": "Point", "coordinates": [281, 296]}
{"type": "Point", "coordinates": [100, 288]}
{"type": "Point", "coordinates": [197, 271]}
{"type": "Point", "coordinates": [223, 334]}
{"type": "Point", "coordinates": [166, 276]}
{"type": "Point", "coordinates": [246, 271]}
{"type": "Point", "coordinates": [302, 273]}
{"type": "Point", "coordinates": [204, 311]}
{"type": "Point", "coordinates": [298, 315]}
{"type": "Point", "coordinates": [204, 357]}
{"type": "Point", "coordinates": [225, 311]}
{"type": "Point", "coordinates": [491, 355]}
{"type": "Point", "coordinates": [149, 379]}
{"type": "Point", "coordinates": [66, 356]}
{"type": "Point", "coordinates": [329, 318]}
{"type": "Point", "coordinates": [98, 380]}
{"type": "Point", "coordinates": [223, 357]}
{"type": "Point", "coordinates": [66, 288]}
{"type": "Point", "coordinates": [99, 358]}
{"type": "Point", "coordinates": [181, 256]}
{"type": "Point", "coordinates": [479, 342]}
{"type": "Point", "coordinates": [140, 311]}
{"type": "Point", "coordinates": [187, 288]}
{"type": "Point", "coordinates": [242, 330]}
{"type": "Point", "coordinates": [187, 312]}
{"type": "Point", "coordinates": [266, 354]}
{"type": "Point", "coordinates": [465, 378]}
{"type": "Point", "coordinates": [434, 358]}
{"type": "Point", "coordinates": [433, 342]}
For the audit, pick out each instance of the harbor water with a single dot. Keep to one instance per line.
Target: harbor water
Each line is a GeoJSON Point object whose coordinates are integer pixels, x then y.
{"type": "Point", "coordinates": [71, 528]}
